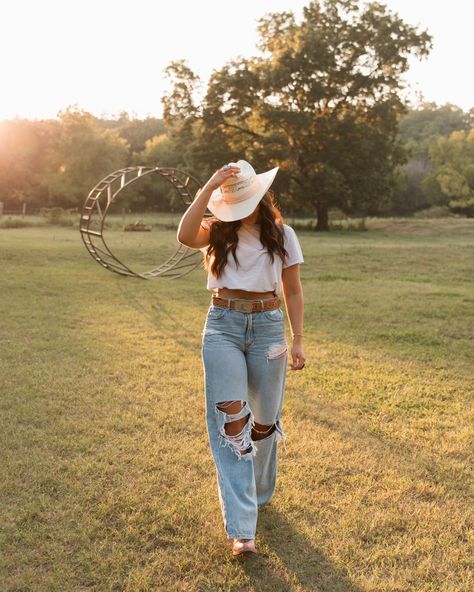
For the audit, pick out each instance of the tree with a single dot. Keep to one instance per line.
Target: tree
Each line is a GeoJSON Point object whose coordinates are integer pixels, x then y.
{"type": "Point", "coordinates": [154, 192]}
{"type": "Point", "coordinates": [22, 152]}
{"type": "Point", "coordinates": [454, 172]}
{"type": "Point", "coordinates": [135, 131]}
{"type": "Point", "coordinates": [417, 187]}
{"type": "Point", "coordinates": [196, 147]}
{"type": "Point", "coordinates": [420, 127]}
{"type": "Point", "coordinates": [320, 101]}
{"type": "Point", "coordinates": [81, 153]}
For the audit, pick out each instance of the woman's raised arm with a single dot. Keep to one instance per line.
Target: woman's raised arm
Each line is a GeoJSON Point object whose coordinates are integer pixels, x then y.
{"type": "Point", "coordinates": [190, 232]}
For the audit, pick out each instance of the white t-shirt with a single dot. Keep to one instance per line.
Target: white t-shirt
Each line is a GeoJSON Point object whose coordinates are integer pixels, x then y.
{"type": "Point", "coordinates": [256, 273]}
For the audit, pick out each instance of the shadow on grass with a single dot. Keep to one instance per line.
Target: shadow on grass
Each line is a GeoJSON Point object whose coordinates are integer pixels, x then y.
{"type": "Point", "coordinates": [163, 303]}
{"type": "Point", "coordinates": [414, 462]}
{"type": "Point", "coordinates": [292, 562]}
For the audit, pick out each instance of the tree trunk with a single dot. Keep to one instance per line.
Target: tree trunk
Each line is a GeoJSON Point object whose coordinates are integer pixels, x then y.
{"type": "Point", "coordinates": [323, 217]}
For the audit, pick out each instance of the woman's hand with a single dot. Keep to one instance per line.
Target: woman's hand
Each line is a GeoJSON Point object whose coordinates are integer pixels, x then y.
{"type": "Point", "coordinates": [297, 355]}
{"type": "Point", "coordinates": [221, 175]}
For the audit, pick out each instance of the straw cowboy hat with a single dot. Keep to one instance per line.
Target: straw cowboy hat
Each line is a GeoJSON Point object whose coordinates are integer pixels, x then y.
{"type": "Point", "coordinates": [240, 194]}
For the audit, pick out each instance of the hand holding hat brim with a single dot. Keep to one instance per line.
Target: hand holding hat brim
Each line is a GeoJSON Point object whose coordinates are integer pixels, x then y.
{"type": "Point", "coordinates": [221, 176]}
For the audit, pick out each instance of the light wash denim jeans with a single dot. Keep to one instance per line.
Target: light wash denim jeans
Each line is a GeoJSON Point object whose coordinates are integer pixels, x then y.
{"type": "Point", "coordinates": [245, 358]}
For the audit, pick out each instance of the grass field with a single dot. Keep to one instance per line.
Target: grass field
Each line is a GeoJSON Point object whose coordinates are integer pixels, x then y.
{"type": "Point", "coordinates": [106, 479]}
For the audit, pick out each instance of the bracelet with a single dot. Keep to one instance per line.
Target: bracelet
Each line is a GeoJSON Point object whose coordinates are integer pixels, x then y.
{"type": "Point", "coordinates": [297, 334]}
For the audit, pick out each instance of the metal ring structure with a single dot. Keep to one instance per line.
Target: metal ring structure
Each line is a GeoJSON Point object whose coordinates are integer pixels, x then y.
{"type": "Point", "coordinates": [94, 212]}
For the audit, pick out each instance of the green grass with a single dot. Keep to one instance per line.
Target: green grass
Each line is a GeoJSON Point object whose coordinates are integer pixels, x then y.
{"type": "Point", "coordinates": [106, 479]}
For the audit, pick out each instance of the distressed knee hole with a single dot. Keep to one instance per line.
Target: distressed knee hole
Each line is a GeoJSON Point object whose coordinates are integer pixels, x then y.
{"type": "Point", "coordinates": [235, 427]}
{"type": "Point", "coordinates": [231, 406]}
{"type": "Point", "coordinates": [261, 431]}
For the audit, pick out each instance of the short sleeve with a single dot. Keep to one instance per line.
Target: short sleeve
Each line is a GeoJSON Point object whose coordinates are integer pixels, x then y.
{"type": "Point", "coordinates": [293, 247]}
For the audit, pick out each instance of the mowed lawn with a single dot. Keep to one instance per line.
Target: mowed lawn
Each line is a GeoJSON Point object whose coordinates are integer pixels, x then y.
{"type": "Point", "coordinates": [107, 482]}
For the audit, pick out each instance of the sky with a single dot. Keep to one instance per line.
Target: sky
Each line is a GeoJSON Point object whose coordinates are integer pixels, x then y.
{"type": "Point", "coordinates": [108, 56]}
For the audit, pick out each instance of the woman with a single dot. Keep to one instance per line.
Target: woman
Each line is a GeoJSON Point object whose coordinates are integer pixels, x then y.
{"type": "Point", "coordinates": [250, 254]}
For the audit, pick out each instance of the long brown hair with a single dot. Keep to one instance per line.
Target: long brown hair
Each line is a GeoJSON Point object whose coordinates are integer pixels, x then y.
{"type": "Point", "coordinates": [224, 238]}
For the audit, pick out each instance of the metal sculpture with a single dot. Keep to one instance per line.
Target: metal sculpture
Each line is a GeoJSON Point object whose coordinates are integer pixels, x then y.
{"type": "Point", "coordinates": [97, 205]}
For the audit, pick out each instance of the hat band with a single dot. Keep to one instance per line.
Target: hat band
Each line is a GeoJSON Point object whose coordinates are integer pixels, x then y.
{"type": "Point", "coordinates": [239, 185]}
{"type": "Point", "coordinates": [243, 196]}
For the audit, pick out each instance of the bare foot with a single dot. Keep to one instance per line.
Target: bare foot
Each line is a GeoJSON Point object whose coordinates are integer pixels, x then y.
{"type": "Point", "coordinates": [243, 546]}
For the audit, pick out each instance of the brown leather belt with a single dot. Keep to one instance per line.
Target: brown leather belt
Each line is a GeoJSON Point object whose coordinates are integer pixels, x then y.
{"type": "Point", "coordinates": [244, 305]}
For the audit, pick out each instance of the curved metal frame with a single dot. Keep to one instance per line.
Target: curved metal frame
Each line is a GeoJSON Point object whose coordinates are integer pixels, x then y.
{"type": "Point", "coordinates": [98, 203]}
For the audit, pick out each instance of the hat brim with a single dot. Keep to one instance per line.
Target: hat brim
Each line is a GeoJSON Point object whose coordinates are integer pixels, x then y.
{"type": "Point", "coordinates": [231, 212]}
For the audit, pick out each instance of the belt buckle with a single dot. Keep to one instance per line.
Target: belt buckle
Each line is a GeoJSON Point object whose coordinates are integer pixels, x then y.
{"type": "Point", "coordinates": [243, 305]}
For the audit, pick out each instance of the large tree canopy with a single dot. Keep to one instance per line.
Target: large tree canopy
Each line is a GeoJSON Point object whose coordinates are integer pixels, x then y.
{"type": "Point", "coordinates": [321, 101]}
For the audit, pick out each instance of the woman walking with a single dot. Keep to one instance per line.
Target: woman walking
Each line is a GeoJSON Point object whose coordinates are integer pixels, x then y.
{"type": "Point", "coordinates": [251, 256]}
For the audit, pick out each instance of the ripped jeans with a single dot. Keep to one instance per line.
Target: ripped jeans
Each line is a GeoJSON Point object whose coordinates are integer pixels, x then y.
{"type": "Point", "coordinates": [244, 357]}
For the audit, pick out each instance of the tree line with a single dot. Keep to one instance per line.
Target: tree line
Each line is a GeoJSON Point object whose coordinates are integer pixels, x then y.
{"type": "Point", "coordinates": [321, 100]}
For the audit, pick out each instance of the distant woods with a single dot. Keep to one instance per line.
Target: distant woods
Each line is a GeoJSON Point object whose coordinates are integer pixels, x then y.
{"type": "Point", "coordinates": [322, 100]}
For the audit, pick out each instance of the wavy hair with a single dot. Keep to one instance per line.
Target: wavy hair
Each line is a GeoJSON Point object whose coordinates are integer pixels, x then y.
{"type": "Point", "coordinates": [224, 238]}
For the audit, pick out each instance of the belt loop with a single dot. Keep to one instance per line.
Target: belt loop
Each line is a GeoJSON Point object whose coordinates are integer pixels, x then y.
{"type": "Point", "coordinates": [228, 302]}
{"type": "Point", "coordinates": [263, 305]}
